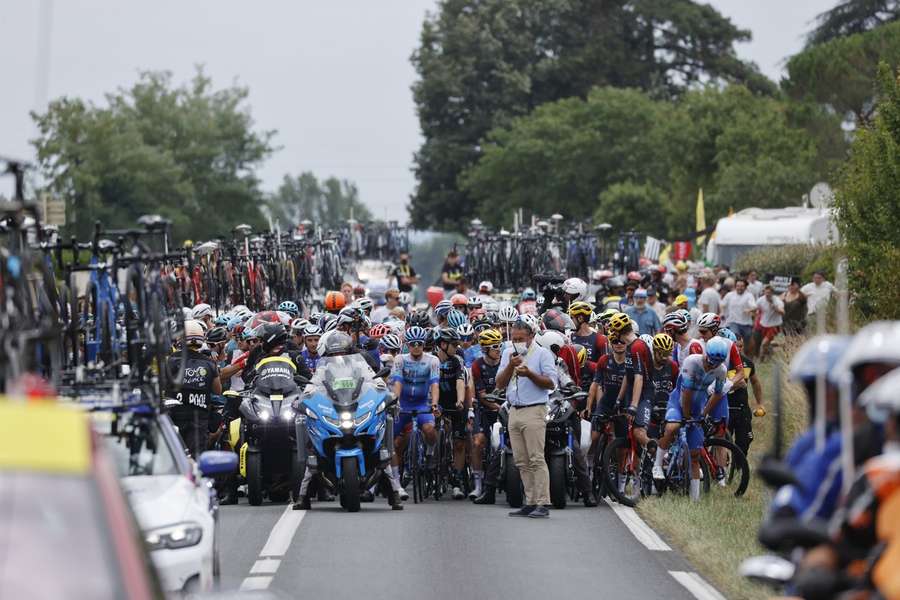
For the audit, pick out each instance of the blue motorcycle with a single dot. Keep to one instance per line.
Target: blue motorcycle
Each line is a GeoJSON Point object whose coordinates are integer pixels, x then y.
{"type": "Point", "coordinates": [343, 416]}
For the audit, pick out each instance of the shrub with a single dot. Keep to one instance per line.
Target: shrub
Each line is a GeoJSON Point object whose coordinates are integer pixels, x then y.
{"type": "Point", "coordinates": [800, 260]}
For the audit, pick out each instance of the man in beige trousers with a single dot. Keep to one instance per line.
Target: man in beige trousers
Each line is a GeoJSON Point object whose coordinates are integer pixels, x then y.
{"type": "Point", "coordinates": [528, 373]}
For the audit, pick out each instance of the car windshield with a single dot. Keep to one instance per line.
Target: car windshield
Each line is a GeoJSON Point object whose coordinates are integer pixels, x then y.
{"type": "Point", "coordinates": [53, 540]}
{"type": "Point", "coordinates": [343, 377]}
{"type": "Point", "coordinates": [138, 447]}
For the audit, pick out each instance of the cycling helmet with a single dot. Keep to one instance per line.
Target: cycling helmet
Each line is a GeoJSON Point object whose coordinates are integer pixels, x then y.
{"type": "Point", "coordinates": [480, 324]}
{"type": "Point", "coordinates": [459, 300]}
{"type": "Point", "coordinates": [551, 340]}
{"type": "Point", "coordinates": [620, 323]}
{"type": "Point", "coordinates": [201, 311]}
{"type": "Point", "coordinates": [575, 287]}
{"type": "Point", "coordinates": [606, 315]}
{"type": "Point", "coordinates": [266, 316]}
{"type": "Point", "coordinates": [390, 341]}
{"type": "Point", "coordinates": [716, 351]}
{"type": "Point", "coordinates": [818, 355]}
{"type": "Point", "coordinates": [874, 351]}
{"type": "Point", "coordinates": [233, 322]}
{"type": "Point", "coordinates": [248, 334]}
{"type": "Point", "coordinates": [290, 308]}
{"type": "Point", "coordinates": [240, 310]}
{"type": "Point", "coordinates": [490, 304]}
{"type": "Point", "coordinates": [487, 286]}
{"type": "Point", "coordinates": [474, 303]}
{"type": "Point", "coordinates": [580, 309]}
{"type": "Point", "coordinates": [558, 321]}
{"type": "Point", "coordinates": [272, 335]}
{"type": "Point", "coordinates": [465, 330]}
{"type": "Point", "coordinates": [217, 335]}
{"type": "Point", "coordinates": [490, 337]}
{"type": "Point", "coordinates": [334, 301]}
{"type": "Point", "coordinates": [284, 318]}
{"type": "Point", "coordinates": [675, 321]}
{"type": "Point", "coordinates": [532, 322]}
{"type": "Point", "coordinates": [419, 318]}
{"type": "Point", "coordinates": [686, 314]}
{"type": "Point", "coordinates": [193, 334]}
{"type": "Point", "coordinates": [298, 326]}
{"type": "Point", "coordinates": [881, 399]}
{"type": "Point", "coordinates": [455, 318]}
{"type": "Point", "coordinates": [327, 321]}
{"type": "Point", "coordinates": [663, 343]}
{"type": "Point", "coordinates": [615, 283]}
{"type": "Point", "coordinates": [442, 308]}
{"type": "Point", "coordinates": [416, 334]}
{"type": "Point", "coordinates": [221, 320]}
{"type": "Point", "coordinates": [508, 314]}
{"type": "Point", "coordinates": [446, 335]}
{"type": "Point", "coordinates": [647, 339]}
{"type": "Point", "coordinates": [379, 331]}
{"type": "Point", "coordinates": [349, 316]}
{"type": "Point", "coordinates": [337, 343]}
{"type": "Point", "coordinates": [404, 299]}
{"type": "Point", "coordinates": [364, 304]}
{"type": "Point", "coordinates": [727, 334]}
{"type": "Point", "coordinates": [312, 330]}
{"type": "Point", "coordinates": [528, 295]}
{"type": "Point", "coordinates": [710, 322]}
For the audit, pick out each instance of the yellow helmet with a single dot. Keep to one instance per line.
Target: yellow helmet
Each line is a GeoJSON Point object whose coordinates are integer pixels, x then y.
{"type": "Point", "coordinates": [580, 308]}
{"type": "Point", "coordinates": [490, 337]}
{"type": "Point", "coordinates": [619, 323]}
{"type": "Point", "coordinates": [581, 353]}
{"type": "Point", "coordinates": [663, 343]}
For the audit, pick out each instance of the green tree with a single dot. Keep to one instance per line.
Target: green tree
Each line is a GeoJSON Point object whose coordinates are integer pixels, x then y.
{"type": "Point", "coordinates": [866, 206]}
{"type": "Point", "coordinates": [626, 205]}
{"type": "Point", "coordinates": [482, 63]}
{"type": "Point", "coordinates": [186, 152]}
{"type": "Point", "coordinates": [852, 16]}
{"type": "Point", "coordinates": [329, 203]}
{"type": "Point", "coordinates": [841, 73]}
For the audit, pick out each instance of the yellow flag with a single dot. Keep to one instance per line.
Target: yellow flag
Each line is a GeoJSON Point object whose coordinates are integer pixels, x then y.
{"type": "Point", "coordinates": [664, 254]}
{"type": "Point", "coordinates": [701, 220]}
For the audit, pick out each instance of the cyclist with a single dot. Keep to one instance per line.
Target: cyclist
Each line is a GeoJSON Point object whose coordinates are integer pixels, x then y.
{"type": "Point", "coordinates": [471, 351]}
{"type": "Point", "coordinates": [663, 375]}
{"type": "Point", "coordinates": [389, 346]}
{"type": "Point", "coordinates": [594, 343]}
{"type": "Point", "coordinates": [199, 381]}
{"type": "Point", "coordinates": [452, 399]}
{"type": "Point", "coordinates": [290, 308]}
{"type": "Point", "coordinates": [441, 310]}
{"type": "Point", "coordinates": [310, 353]}
{"type": "Point", "coordinates": [415, 377]}
{"type": "Point", "coordinates": [637, 406]}
{"type": "Point", "coordinates": [709, 325]}
{"type": "Point", "coordinates": [612, 381]}
{"type": "Point", "coordinates": [528, 302]}
{"type": "Point", "coordinates": [484, 376]}
{"type": "Point", "coordinates": [203, 312]}
{"type": "Point", "coordinates": [676, 324]}
{"type": "Point", "coordinates": [689, 401]}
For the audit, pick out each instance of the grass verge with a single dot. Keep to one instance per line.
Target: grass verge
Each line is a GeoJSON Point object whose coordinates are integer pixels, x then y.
{"type": "Point", "coordinates": [719, 532]}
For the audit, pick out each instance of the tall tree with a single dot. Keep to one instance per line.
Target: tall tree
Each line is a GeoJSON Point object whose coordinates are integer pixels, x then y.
{"type": "Point", "coordinates": [852, 16]}
{"type": "Point", "coordinates": [866, 206]}
{"type": "Point", "coordinates": [185, 152]}
{"type": "Point", "coordinates": [329, 203]}
{"type": "Point", "coordinates": [483, 62]}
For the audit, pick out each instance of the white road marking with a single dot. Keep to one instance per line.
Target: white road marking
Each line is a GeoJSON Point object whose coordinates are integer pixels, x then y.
{"type": "Point", "coordinates": [281, 535]}
{"type": "Point", "coordinates": [639, 528]}
{"type": "Point", "coordinates": [252, 584]}
{"type": "Point", "coordinates": [276, 546]}
{"type": "Point", "coordinates": [265, 566]}
{"type": "Point", "coordinates": [696, 585]}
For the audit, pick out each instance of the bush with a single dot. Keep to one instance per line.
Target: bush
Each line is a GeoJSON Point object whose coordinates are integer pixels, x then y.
{"type": "Point", "coordinates": [800, 260]}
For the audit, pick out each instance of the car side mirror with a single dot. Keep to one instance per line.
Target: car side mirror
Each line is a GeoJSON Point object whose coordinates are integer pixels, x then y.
{"type": "Point", "coordinates": [217, 462]}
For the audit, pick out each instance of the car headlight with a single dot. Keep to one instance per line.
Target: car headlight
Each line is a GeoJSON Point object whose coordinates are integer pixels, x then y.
{"type": "Point", "coordinates": [173, 537]}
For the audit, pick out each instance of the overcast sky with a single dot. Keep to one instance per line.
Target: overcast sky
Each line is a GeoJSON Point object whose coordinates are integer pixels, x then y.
{"type": "Point", "coordinates": [333, 77]}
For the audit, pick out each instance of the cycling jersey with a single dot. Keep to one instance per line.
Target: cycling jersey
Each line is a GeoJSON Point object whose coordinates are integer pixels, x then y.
{"type": "Point", "coordinates": [417, 376]}
{"type": "Point", "coordinates": [471, 354]}
{"type": "Point", "coordinates": [451, 370]}
{"type": "Point", "coordinates": [694, 376]}
{"type": "Point", "coordinates": [594, 343]}
{"type": "Point", "coordinates": [682, 351]}
{"type": "Point", "coordinates": [311, 361]}
{"type": "Point", "coordinates": [662, 380]}
{"type": "Point", "coordinates": [485, 376]}
{"type": "Point", "coordinates": [611, 375]}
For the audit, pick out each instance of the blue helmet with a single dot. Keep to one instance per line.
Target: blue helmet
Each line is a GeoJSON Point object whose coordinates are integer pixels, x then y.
{"type": "Point", "coordinates": [233, 322]}
{"type": "Point", "coordinates": [221, 321]}
{"type": "Point", "coordinates": [455, 318]}
{"type": "Point", "coordinates": [416, 334]}
{"type": "Point", "coordinates": [727, 334]}
{"type": "Point", "coordinates": [289, 307]}
{"type": "Point", "coordinates": [528, 294]}
{"type": "Point", "coordinates": [443, 308]}
{"type": "Point", "coordinates": [716, 351]}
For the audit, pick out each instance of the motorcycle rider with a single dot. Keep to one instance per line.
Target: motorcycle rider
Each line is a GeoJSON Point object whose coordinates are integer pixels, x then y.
{"type": "Point", "coordinates": [200, 380]}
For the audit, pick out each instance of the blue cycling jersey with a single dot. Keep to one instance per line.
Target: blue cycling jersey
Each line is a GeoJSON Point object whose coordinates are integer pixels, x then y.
{"type": "Point", "coordinates": [311, 361]}
{"type": "Point", "coordinates": [471, 354]}
{"type": "Point", "coordinates": [416, 377]}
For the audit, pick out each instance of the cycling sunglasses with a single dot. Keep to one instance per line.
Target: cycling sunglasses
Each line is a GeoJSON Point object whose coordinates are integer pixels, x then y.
{"type": "Point", "coordinates": [493, 347]}
{"type": "Point", "coordinates": [415, 344]}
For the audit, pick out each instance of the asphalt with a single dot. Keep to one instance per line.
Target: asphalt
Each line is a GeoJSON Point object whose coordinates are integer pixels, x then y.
{"type": "Point", "coordinates": [448, 549]}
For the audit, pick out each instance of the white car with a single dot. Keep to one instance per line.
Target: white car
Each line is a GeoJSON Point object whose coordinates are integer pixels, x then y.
{"type": "Point", "coordinates": [175, 506]}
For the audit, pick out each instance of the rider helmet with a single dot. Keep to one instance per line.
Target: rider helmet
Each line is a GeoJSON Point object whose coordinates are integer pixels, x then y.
{"type": "Point", "coordinates": [716, 351]}
{"type": "Point", "coordinates": [575, 288]}
{"type": "Point", "coordinates": [551, 340]}
{"type": "Point", "coordinates": [447, 335]}
{"type": "Point", "coordinates": [334, 301]}
{"type": "Point", "coordinates": [727, 334]}
{"type": "Point", "coordinates": [290, 308]}
{"type": "Point", "coordinates": [675, 322]}
{"type": "Point", "coordinates": [581, 309]}
{"type": "Point", "coordinates": [272, 335]}
{"type": "Point", "coordinates": [663, 343]}
{"type": "Point", "coordinates": [418, 318]}
{"type": "Point", "coordinates": [465, 331]}
{"type": "Point", "coordinates": [490, 337]}
{"type": "Point", "coordinates": [710, 322]}
{"type": "Point", "coordinates": [620, 323]}
{"type": "Point", "coordinates": [455, 318]}
{"type": "Point", "coordinates": [442, 308]}
{"type": "Point", "coordinates": [193, 334]}
{"type": "Point", "coordinates": [459, 300]}
{"type": "Point", "coordinates": [379, 331]}
{"type": "Point", "coordinates": [390, 341]}
{"type": "Point", "coordinates": [416, 334]}
{"type": "Point", "coordinates": [508, 314]}
{"type": "Point", "coordinates": [312, 330]}
{"type": "Point", "coordinates": [217, 335]}
{"type": "Point", "coordinates": [201, 311]}
{"type": "Point", "coordinates": [364, 304]}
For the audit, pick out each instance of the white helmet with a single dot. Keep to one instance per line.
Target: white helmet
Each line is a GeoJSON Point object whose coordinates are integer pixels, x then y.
{"type": "Point", "coordinates": [486, 286]}
{"type": "Point", "coordinates": [876, 343]}
{"type": "Point", "coordinates": [404, 298]}
{"type": "Point", "coordinates": [201, 310]}
{"type": "Point", "coordinates": [508, 314]}
{"type": "Point", "coordinates": [551, 340]}
{"type": "Point", "coordinates": [364, 304]}
{"type": "Point", "coordinates": [194, 334]}
{"type": "Point", "coordinates": [575, 287]}
{"type": "Point", "coordinates": [634, 327]}
{"type": "Point", "coordinates": [533, 322]}
{"type": "Point", "coordinates": [880, 399]}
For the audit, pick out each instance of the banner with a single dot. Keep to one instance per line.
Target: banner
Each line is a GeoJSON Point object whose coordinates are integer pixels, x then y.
{"type": "Point", "coordinates": [652, 248]}
{"type": "Point", "coordinates": [681, 250]}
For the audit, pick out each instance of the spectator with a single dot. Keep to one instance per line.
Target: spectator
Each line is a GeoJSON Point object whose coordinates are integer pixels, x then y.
{"type": "Point", "coordinates": [485, 288]}
{"type": "Point", "coordinates": [405, 274]}
{"type": "Point", "coordinates": [391, 301]}
{"type": "Point", "coordinates": [528, 373]}
{"type": "Point", "coordinates": [794, 308]}
{"type": "Point", "coordinates": [359, 290]}
{"type": "Point", "coordinates": [817, 293]}
{"type": "Point", "coordinates": [645, 317]}
{"type": "Point", "coordinates": [399, 314]}
{"type": "Point", "coordinates": [347, 291]}
{"type": "Point", "coordinates": [653, 302]}
{"type": "Point", "coordinates": [738, 307]}
{"type": "Point", "coordinates": [709, 297]}
{"type": "Point", "coordinates": [451, 273]}
{"type": "Point", "coordinates": [771, 310]}
{"type": "Point", "coordinates": [630, 288]}
{"type": "Point", "coordinates": [754, 285]}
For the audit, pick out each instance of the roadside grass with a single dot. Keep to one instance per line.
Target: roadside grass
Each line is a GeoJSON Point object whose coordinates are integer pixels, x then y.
{"type": "Point", "coordinates": [719, 532]}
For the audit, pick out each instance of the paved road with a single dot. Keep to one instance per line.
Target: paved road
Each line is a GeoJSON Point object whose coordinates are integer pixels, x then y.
{"type": "Point", "coordinates": [448, 549]}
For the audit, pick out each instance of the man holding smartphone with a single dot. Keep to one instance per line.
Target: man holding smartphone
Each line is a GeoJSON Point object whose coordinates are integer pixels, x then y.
{"type": "Point", "coordinates": [528, 373]}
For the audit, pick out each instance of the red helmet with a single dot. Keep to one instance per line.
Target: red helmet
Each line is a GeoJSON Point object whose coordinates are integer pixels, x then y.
{"type": "Point", "coordinates": [459, 300]}
{"type": "Point", "coordinates": [379, 331]}
{"type": "Point", "coordinates": [334, 301]}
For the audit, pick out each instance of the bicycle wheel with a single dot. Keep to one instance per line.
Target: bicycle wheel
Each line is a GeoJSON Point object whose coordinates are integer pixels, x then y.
{"type": "Point", "coordinates": [628, 491]}
{"type": "Point", "coordinates": [728, 466]}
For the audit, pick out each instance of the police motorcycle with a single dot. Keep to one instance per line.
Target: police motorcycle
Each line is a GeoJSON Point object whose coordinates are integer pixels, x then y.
{"type": "Point", "coordinates": [559, 447]}
{"type": "Point", "coordinates": [267, 449]}
{"type": "Point", "coordinates": [344, 415]}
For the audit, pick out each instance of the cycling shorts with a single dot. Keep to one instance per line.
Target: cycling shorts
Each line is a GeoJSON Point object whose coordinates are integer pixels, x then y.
{"type": "Point", "coordinates": [642, 418]}
{"type": "Point", "coordinates": [484, 421]}
{"type": "Point", "coordinates": [404, 424]}
{"type": "Point", "coordinates": [458, 423]}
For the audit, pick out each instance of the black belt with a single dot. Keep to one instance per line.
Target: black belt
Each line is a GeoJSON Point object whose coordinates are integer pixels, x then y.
{"type": "Point", "coordinates": [517, 406]}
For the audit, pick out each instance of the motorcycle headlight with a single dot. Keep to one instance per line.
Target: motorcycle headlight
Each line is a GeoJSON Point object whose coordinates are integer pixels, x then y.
{"type": "Point", "coordinates": [264, 415]}
{"type": "Point", "coordinates": [380, 409]}
{"type": "Point", "coordinates": [332, 421]}
{"type": "Point", "coordinates": [173, 537]}
{"type": "Point", "coordinates": [346, 416]}
{"type": "Point", "coordinates": [287, 414]}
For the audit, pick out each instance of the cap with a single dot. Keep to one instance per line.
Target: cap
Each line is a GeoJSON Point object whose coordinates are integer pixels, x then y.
{"type": "Point", "coordinates": [651, 291]}
{"type": "Point", "coordinates": [486, 285]}
{"type": "Point", "coordinates": [681, 299]}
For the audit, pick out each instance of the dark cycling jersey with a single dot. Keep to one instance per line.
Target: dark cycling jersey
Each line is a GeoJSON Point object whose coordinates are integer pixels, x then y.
{"type": "Point", "coordinates": [594, 343]}
{"type": "Point", "coordinates": [196, 385]}
{"type": "Point", "coordinates": [641, 359]}
{"type": "Point", "coordinates": [485, 376]}
{"type": "Point", "coordinates": [452, 370]}
{"type": "Point", "coordinates": [662, 380]}
{"type": "Point", "coordinates": [611, 375]}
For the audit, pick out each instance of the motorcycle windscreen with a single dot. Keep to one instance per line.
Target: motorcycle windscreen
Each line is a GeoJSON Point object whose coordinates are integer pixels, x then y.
{"type": "Point", "coordinates": [343, 377]}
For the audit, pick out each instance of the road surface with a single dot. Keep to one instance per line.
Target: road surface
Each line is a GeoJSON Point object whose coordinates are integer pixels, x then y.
{"type": "Point", "coordinates": [450, 550]}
